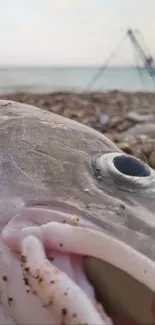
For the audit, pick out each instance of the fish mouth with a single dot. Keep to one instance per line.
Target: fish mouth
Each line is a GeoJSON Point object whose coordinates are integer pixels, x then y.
{"type": "Point", "coordinates": [82, 275]}
{"type": "Point", "coordinates": [125, 300]}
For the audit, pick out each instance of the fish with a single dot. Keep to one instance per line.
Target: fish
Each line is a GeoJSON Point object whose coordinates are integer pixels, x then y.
{"type": "Point", "coordinates": [77, 224]}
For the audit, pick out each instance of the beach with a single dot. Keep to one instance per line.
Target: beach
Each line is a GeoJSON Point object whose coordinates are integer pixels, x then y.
{"type": "Point", "coordinates": [126, 118]}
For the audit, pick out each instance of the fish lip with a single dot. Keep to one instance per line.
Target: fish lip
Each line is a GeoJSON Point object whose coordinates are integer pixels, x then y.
{"type": "Point", "coordinates": [69, 213]}
{"type": "Point", "coordinates": [64, 207]}
{"type": "Point", "coordinates": [54, 204]}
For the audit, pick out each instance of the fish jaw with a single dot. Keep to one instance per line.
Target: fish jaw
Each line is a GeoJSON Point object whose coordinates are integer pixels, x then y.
{"type": "Point", "coordinates": [41, 284]}
{"type": "Point", "coordinates": [76, 235]}
{"type": "Point", "coordinates": [43, 246]}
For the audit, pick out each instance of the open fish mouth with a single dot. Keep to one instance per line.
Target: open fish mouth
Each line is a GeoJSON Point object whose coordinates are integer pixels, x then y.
{"type": "Point", "coordinates": [83, 276]}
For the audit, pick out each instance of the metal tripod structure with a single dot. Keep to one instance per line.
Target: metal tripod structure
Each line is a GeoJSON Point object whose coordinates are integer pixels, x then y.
{"type": "Point", "coordinates": [147, 60]}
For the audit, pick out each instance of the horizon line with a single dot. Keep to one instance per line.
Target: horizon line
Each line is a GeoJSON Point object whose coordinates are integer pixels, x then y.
{"type": "Point", "coordinates": [65, 66]}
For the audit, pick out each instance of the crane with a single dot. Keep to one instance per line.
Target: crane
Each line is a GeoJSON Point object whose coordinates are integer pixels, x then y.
{"type": "Point", "coordinates": [147, 60]}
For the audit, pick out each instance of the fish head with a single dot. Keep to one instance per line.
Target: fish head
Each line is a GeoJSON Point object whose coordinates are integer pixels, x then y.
{"type": "Point", "coordinates": [77, 214]}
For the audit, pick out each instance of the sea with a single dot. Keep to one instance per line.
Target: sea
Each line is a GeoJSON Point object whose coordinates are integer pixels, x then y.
{"type": "Point", "coordinates": [78, 79]}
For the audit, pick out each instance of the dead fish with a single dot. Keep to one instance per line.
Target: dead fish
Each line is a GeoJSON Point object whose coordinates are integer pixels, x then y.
{"type": "Point", "coordinates": [77, 221]}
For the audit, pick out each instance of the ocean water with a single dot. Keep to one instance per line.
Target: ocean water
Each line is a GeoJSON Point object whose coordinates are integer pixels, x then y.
{"type": "Point", "coordinates": [51, 79]}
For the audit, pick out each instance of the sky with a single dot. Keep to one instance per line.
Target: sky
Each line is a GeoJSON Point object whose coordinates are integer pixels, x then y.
{"type": "Point", "coordinates": [73, 32]}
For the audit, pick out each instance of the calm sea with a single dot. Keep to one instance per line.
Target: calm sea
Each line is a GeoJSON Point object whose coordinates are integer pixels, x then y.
{"type": "Point", "coordinates": [77, 79]}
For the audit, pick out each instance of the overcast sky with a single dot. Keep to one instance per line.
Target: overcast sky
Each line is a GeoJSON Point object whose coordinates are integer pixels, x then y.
{"type": "Point", "coordinates": [71, 32]}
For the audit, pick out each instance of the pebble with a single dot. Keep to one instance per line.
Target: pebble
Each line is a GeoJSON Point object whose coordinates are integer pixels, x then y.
{"type": "Point", "coordinates": [125, 147]}
{"type": "Point", "coordinates": [115, 121]}
{"type": "Point", "coordinates": [125, 125]}
{"type": "Point", "coordinates": [115, 137]}
{"type": "Point", "coordinates": [152, 159]}
{"type": "Point", "coordinates": [148, 147]}
{"type": "Point", "coordinates": [145, 129]}
{"type": "Point", "coordinates": [104, 119]}
{"type": "Point", "coordinates": [139, 118]}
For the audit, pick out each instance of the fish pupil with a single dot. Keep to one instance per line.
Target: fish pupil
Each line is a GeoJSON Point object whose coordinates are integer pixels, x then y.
{"type": "Point", "coordinates": [130, 166]}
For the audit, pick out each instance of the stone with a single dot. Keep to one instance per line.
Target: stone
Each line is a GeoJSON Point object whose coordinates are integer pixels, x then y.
{"type": "Point", "coordinates": [139, 118]}
{"type": "Point", "coordinates": [152, 159]}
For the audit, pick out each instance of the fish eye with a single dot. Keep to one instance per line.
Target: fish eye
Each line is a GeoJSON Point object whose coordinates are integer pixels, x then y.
{"type": "Point", "coordinates": [131, 166]}
{"type": "Point", "coordinates": [124, 170]}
